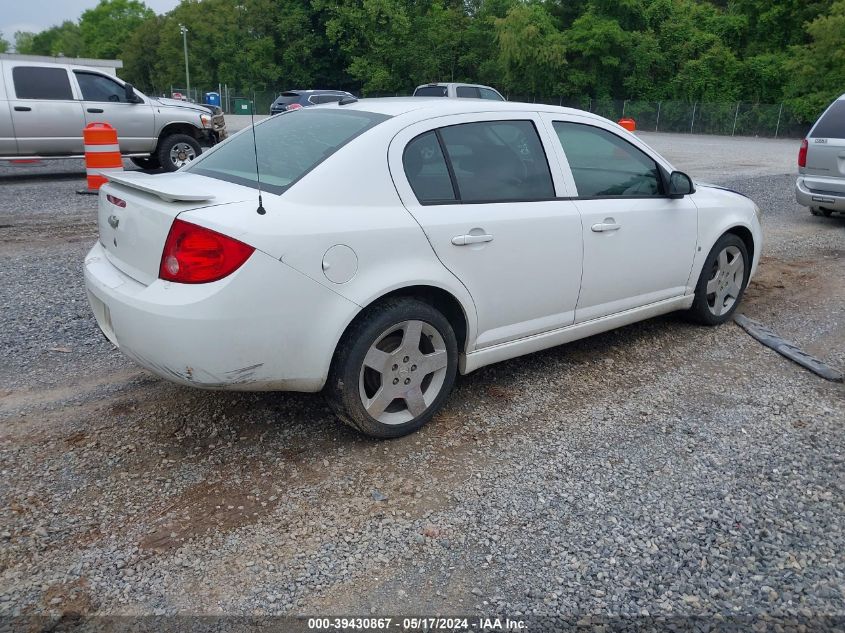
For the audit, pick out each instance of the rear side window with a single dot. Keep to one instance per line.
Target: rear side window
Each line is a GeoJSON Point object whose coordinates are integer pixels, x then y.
{"type": "Point", "coordinates": [39, 82]}
{"type": "Point", "coordinates": [430, 91]}
{"type": "Point", "coordinates": [603, 164]}
{"type": "Point", "coordinates": [486, 93]}
{"type": "Point", "coordinates": [425, 167]}
{"type": "Point", "coordinates": [99, 88]}
{"type": "Point", "coordinates": [467, 92]}
{"type": "Point", "coordinates": [289, 145]}
{"type": "Point", "coordinates": [832, 123]}
{"type": "Point", "coordinates": [498, 161]}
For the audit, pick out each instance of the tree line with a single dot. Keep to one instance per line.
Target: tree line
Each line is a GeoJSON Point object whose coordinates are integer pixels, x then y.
{"type": "Point", "coordinates": [760, 51]}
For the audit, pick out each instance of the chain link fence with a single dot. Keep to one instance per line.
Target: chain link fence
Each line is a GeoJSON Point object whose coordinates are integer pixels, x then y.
{"type": "Point", "coordinates": [729, 119]}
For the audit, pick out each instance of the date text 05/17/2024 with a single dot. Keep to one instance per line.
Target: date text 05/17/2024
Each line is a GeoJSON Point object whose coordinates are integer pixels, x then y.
{"type": "Point", "coordinates": [329, 624]}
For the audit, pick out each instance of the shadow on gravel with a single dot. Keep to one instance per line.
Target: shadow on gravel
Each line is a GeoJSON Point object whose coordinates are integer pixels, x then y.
{"type": "Point", "coordinates": [13, 178]}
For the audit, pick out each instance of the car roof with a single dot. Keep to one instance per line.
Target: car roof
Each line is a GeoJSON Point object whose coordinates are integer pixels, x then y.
{"type": "Point", "coordinates": [428, 107]}
{"type": "Point", "coordinates": [454, 83]}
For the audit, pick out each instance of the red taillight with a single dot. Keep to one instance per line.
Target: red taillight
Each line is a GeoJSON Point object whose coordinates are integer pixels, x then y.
{"type": "Point", "coordinates": [116, 201]}
{"type": "Point", "coordinates": [802, 154]}
{"type": "Point", "coordinates": [294, 106]}
{"type": "Point", "coordinates": [196, 255]}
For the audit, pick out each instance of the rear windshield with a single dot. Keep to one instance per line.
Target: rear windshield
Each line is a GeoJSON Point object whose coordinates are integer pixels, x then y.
{"type": "Point", "coordinates": [289, 146]}
{"type": "Point", "coordinates": [832, 123]}
{"type": "Point", "coordinates": [286, 98]}
{"type": "Point", "coordinates": [430, 91]}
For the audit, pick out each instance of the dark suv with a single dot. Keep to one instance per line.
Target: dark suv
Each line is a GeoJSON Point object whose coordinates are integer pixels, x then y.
{"type": "Point", "coordinates": [295, 99]}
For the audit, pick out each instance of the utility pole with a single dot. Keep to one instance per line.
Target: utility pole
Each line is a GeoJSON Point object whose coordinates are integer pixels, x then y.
{"type": "Point", "coordinates": [184, 30]}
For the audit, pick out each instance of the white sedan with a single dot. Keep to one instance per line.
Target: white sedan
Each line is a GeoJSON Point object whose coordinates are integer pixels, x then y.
{"type": "Point", "coordinates": [401, 241]}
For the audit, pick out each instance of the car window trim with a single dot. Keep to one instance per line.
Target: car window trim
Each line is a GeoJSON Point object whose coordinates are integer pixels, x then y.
{"type": "Point", "coordinates": [456, 189]}
{"type": "Point", "coordinates": [435, 203]}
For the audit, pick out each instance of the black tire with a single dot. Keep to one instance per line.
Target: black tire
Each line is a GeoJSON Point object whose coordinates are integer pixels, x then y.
{"type": "Point", "coordinates": [821, 212]}
{"type": "Point", "coordinates": [167, 144]}
{"type": "Point", "coordinates": [701, 311]}
{"type": "Point", "coordinates": [147, 162]}
{"type": "Point", "coordinates": [343, 389]}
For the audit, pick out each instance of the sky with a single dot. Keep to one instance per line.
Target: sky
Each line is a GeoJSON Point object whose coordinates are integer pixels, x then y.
{"type": "Point", "coordinates": [37, 15]}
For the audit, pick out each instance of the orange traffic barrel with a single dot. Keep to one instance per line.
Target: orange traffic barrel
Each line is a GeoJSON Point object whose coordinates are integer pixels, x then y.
{"type": "Point", "coordinates": [102, 153]}
{"type": "Point", "coordinates": [629, 124]}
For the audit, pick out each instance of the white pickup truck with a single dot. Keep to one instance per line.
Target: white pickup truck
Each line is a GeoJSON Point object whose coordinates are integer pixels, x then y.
{"type": "Point", "coordinates": [46, 102]}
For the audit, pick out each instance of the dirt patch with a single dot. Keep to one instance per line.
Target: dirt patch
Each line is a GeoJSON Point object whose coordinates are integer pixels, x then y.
{"type": "Point", "coordinates": [73, 599]}
{"type": "Point", "coordinates": [776, 276]}
{"type": "Point", "coordinates": [217, 506]}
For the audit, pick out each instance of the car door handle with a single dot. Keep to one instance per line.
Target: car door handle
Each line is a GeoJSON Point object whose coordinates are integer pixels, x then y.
{"type": "Point", "coordinates": [601, 227]}
{"type": "Point", "coordinates": [23, 109]}
{"type": "Point", "coordinates": [95, 110]}
{"type": "Point", "coordinates": [463, 240]}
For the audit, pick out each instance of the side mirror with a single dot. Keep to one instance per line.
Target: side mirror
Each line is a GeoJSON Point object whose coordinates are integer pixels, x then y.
{"type": "Point", "coordinates": [129, 91]}
{"type": "Point", "coordinates": [680, 185]}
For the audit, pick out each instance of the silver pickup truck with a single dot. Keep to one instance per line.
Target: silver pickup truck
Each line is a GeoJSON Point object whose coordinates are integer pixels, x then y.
{"type": "Point", "coordinates": [44, 106]}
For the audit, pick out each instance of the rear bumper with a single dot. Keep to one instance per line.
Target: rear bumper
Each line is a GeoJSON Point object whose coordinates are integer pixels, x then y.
{"type": "Point", "coordinates": [266, 327]}
{"type": "Point", "coordinates": [807, 197]}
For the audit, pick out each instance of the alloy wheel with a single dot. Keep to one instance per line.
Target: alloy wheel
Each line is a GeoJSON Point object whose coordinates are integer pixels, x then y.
{"type": "Point", "coordinates": [725, 285]}
{"type": "Point", "coordinates": [181, 154]}
{"type": "Point", "coordinates": [403, 372]}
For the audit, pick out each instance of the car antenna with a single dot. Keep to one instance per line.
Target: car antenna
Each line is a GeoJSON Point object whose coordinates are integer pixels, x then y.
{"type": "Point", "coordinates": [260, 210]}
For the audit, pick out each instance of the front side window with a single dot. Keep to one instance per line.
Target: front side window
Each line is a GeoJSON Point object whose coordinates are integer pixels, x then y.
{"type": "Point", "coordinates": [289, 146]}
{"type": "Point", "coordinates": [100, 88]}
{"type": "Point", "coordinates": [467, 92]}
{"type": "Point", "coordinates": [604, 164]}
{"type": "Point", "coordinates": [498, 161]}
{"type": "Point", "coordinates": [41, 82]}
{"type": "Point", "coordinates": [425, 167]}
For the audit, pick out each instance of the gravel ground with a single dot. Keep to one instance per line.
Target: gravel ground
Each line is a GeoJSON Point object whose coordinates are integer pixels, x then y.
{"type": "Point", "coordinates": [662, 469]}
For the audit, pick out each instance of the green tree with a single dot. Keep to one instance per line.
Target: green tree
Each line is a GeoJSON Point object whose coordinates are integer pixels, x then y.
{"type": "Point", "coordinates": [139, 54]}
{"type": "Point", "coordinates": [596, 46]}
{"type": "Point", "coordinates": [106, 28]}
{"type": "Point", "coordinates": [816, 70]}
{"type": "Point", "coordinates": [23, 42]}
{"type": "Point", "coordinates": [64, 39]}
{"type": "Point", "coordinates": [532, 51]}
{"type": "Point", "coordinates": [4, 44]}
{"type": "Point", "coordinates": [375, 34]}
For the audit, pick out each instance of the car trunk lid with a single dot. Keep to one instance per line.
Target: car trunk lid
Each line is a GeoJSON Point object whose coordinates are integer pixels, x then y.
{"type": "Point", "coordinates": [136, 211]}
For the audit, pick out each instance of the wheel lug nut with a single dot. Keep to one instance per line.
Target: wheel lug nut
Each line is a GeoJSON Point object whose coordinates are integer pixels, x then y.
{"type": "Point", "coordinates": [407, 381]}
{"type": "Point", "coordinates": [395, 367]}
{"type": "Point", "coordinates": [413, 368]}
{"type": "Point", "coordinates": [395, 381]}
{"type": "Point", "coordinates": [405, 360]}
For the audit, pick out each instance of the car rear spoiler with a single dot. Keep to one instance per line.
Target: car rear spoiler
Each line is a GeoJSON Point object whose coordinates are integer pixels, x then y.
{"type": "Point", "coordinates": [168, 187]}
